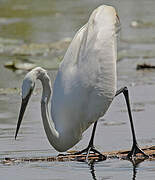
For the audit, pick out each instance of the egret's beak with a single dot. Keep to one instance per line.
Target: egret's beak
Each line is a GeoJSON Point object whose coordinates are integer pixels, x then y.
{"type": "Point", "coordinates": [22, 110]}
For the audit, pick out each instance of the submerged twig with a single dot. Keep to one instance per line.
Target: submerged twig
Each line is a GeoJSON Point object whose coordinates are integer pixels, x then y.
{"type": "Point", "coordinates": [82, 157]}
{"type": "Point", "coordinates": [145, 66]}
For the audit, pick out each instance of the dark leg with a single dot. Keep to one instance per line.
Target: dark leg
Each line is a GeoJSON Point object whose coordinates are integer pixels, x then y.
{"type": "Point", "coordinates": [91, 146]}
{"type": "Point", "coordinates": [135, 149]}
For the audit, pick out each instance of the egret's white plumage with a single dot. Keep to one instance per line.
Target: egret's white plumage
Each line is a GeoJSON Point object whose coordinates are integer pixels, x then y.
{"type": "Point", "coordinates": [85, 84]}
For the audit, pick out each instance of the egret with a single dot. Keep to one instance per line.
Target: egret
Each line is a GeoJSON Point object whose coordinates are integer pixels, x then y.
{"type": "Point", "coordinates": [84, 87]}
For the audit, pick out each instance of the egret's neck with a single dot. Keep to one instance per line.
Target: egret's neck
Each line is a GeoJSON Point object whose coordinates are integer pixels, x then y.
{"type": "Point", "coordinates": [58, 138]}
{"type": "Point", "coordinates": [47, 89]}
{"type": "Point", "coordinates": [49, 126]}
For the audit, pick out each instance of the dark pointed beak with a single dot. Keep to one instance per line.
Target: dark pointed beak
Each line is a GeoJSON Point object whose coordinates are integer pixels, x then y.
{"type": "Point", "coordinates": [22, 110]}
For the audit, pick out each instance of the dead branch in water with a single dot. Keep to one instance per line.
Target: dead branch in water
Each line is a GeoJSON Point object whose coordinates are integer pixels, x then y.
{"type": "Point", "coordinates": [145, 66]}
{"type": "Point", "coordinates": [92, 157]}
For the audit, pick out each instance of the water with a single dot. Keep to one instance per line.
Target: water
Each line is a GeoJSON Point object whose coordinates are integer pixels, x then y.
{"type": "Point", "coordinates": [44, 22]}
{"type": "Point", "coordinates": [113, 169]}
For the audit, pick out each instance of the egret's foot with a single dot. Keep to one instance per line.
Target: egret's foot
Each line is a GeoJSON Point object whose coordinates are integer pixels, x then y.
{"type": "Point", "coordinates": [135, 149]}
{"type": "Point", "coordinates": [87, 151]}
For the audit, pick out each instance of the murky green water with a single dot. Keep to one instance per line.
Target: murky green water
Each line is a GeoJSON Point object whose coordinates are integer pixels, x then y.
{"type": "Point", "coordinates": [28, 32]}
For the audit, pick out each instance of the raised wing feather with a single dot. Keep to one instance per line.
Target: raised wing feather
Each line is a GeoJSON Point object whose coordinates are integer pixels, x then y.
{"type": "Point", "coordinates": [92, 53]}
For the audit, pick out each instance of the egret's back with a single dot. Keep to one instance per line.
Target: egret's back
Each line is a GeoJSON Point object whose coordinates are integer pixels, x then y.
{"type": "Point", "coordinates": [86, 81]}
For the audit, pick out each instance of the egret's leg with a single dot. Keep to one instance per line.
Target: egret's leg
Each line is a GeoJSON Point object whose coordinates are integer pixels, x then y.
{"type": "Point", "coordinates": [90, 146]}
{"type": "Point", "coordinates": [135, 149]}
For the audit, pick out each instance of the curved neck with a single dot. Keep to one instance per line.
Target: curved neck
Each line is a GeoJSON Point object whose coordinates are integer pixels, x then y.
{"type": "Point", "coordinates": [51, 132]}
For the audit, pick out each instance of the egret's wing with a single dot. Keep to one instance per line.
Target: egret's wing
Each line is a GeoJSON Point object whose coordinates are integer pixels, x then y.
{"type": "Point", "coordinates": [86, 81]}
{"type": "Point", "coordinates": [72, 55]}
{"type": "Point", "coordinates": [92, 52]}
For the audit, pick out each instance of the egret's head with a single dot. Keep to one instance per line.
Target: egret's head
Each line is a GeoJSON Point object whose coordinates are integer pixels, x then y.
{"type": "Point", "coordinates": [27, 89]}
{"type": "Point", "coordinates": [29, 81]}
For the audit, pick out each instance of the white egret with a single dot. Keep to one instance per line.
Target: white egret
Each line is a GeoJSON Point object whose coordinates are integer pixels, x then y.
{"type": "Point", "coordinates": [84, 87]}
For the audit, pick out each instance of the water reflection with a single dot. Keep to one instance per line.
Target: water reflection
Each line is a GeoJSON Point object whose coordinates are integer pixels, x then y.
{"type": "Point", "coordinates": [135, 163]}
{"type": "Point", "coordinates": [92, 170]}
